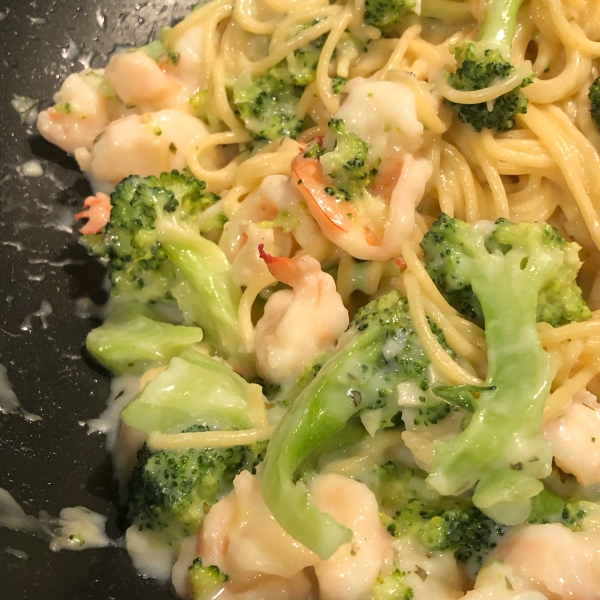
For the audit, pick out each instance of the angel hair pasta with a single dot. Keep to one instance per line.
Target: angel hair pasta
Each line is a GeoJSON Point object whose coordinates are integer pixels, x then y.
{"type": "Point", "coordinates": [353, 249]}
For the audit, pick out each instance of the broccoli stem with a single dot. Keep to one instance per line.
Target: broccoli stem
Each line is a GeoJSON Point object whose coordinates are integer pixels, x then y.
{"type": "Point", "coordinates": [214, 306]}
{"type": "Point", "coordinates": [507, 420]}
{"type": "Point", "coordinates": [498, 27]}
{"type": "Point", "coordinates": [321, 411]}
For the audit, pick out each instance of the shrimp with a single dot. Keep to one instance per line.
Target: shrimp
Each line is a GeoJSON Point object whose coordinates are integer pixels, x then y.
{"type": "Point", "coordinates": [249, 227]}
{"type": "Point", "coordinates": [429, 574]}
{"type": "Point", "coordinates": [576, 434]}
{"type": "Point", "coordinates": [383, 114]}
{"type": "Point", "coordinates": [345, 227]}
{"type": "Point", "coordinates": [351, 572]}
{"type": "Point", "coordinates": [189, 71]}
{"type": "Point", "coordinates": [139, 81]}
{"type": "Point", "coordinates": [143, 145]}
{"type": "Point", "coordinates": [297, 324]}
{"type": "Point", "coordinates": [80, 115]}
{"type": "Point", "coordinates": [497, 582]}
{"type": "Point", "coordinates": [241, 537]}
{"type": "Point", "coordinates": [97, 212]}
{"type": "Point", "coordinates": [554, 560]}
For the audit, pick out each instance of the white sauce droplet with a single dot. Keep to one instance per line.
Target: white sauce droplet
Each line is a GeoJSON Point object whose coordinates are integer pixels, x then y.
{"type": "Point", "coordinates": [17, 553]}
{"type": "Point", "coordinates": [26, 107]}
{"type": "Point", "coordinates": [100, 18]}
{"type": "Point", "coordinates": [12, 516]}
{"type": "Point", "coordinates": [85, 308]}
{"type": "Point", "coordinates": [9, 403]}
{"type": "Point", "coordinates": [31, 168]}
{"type": "Point", "coordinates": [80, 528]}
{"type": "Point", "coordinates": [70, 51]}
{"type": "Point", "coordinates": [122, 391]}
{"type": "Point", "coordinates": [45, 310]}
{"type": "Point", "coordinates": [77, 528]}
{"type": "Point", "coordinates": [151, 556]}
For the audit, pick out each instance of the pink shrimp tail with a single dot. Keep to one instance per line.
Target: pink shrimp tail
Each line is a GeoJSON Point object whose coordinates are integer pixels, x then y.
{"type": "Point", "coordinates": [401, 263]}
{"type": "Point", "coordinates": [282, 268]}
{"type": "Point", "coordinates": [97, 212]}
{"type": "Point", "coordinates": [310, 181]}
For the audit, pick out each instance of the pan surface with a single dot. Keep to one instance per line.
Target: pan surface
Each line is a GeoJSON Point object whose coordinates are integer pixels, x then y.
{"type": "Point", "coordinates": [44, 275]}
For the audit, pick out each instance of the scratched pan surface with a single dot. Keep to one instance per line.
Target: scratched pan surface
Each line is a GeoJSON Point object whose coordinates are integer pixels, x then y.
{"type": "Point", "coordinates": [53, 463]}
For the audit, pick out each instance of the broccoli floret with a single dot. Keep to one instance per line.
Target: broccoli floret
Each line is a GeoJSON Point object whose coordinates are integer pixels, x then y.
{"type": "Point", "coordinates": [483, 62]}
{"type": "Point", "coordinates": [594, 97]}
{"type": "Point", "coordinates": [511, 269]}
{"type": "Point", "coordinates": [170, 491]}
{"type": "Point", "coordinates": [559, 300]}
{"type": "Point", "coordinates": [454, 526]}
{"type": "Point", "coordinates": [379, 351]}
{"type": "Point", "coordinates": [268, 104]}
{"type": "Point", "coordinates": [382, 13]}
{"type": "Point", "coordinates": [155, 254]}
{"type": "Point", "coordinates": [131, 339]}
{"type": "Point", "coordinates": [431, 410]}
{"type": "Point", "coordinates": [391, 587]}
{"type": "Point", "coordinates": [410, 508]}
{"type": "Point", "coordinates": [302, 64]}
{"type": "Point", "coordinates": [348, 164]}
{"type": "Point", "coordinates": [338, 83]}
{"type": "Point", "coordinates": [204, 579]}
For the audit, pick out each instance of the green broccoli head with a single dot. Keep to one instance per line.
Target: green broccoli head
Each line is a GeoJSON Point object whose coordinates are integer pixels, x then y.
{"type": "Point", "coordinates": [478, 68]}
{"type": "Point", "coordinates": [267, 106]}
{"type": "Point", "coordinates": [170, 491]}
{"type": "Point", "coordinates": [454, 526]}
{"type": "Point", "coordinates": [348, 164]}
{"type": "Point", "coordinates": [410, 508]}
{"type": "Point", "coordinates": [382, 13]}
{"type": "Point", "coordinates": [302, 63]}
{"type": "Point", "coordinates": [137, 261]}
{"type": "Point", "coordinates": [559, 300]}
{"type": "Point", "coordinates": [204, 579]}
{"type": "Point", "coordinates": [518, 273]}
{"type": "Point", "coordinates": [485, 61]}
{"type": "Point", "coordinates": [156, 254]}
{"type": "Point", "coordinates": [594, 98]}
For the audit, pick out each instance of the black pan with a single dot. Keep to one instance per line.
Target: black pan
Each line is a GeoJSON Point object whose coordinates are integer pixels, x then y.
{"type": "Point", "coordinates": [54, 463]}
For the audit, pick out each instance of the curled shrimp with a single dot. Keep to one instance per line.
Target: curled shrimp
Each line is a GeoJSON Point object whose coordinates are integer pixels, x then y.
{"type": "Point", "coordinates": [553, 560]}
{"type": "Point", "coordinates": [345, 227]}
{"type": "Point", "coordinates": [300, 323]}
{"type": "Point", "coordinates": [97, 212]}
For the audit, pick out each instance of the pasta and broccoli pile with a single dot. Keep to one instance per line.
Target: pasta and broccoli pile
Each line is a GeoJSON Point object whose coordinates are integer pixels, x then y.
{"type": "Point", "coordinates": [353, 249]}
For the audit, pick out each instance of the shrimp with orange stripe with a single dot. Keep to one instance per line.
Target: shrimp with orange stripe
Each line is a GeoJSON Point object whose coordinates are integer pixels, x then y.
{"type": "Point", "coordinates": [371, 156]}
{"type": "Point", "coordinates": [348, 227]}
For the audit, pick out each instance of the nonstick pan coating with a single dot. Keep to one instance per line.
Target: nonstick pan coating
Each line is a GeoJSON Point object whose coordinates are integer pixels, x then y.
{"type": "Point", "coordinates": [54, 463]}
